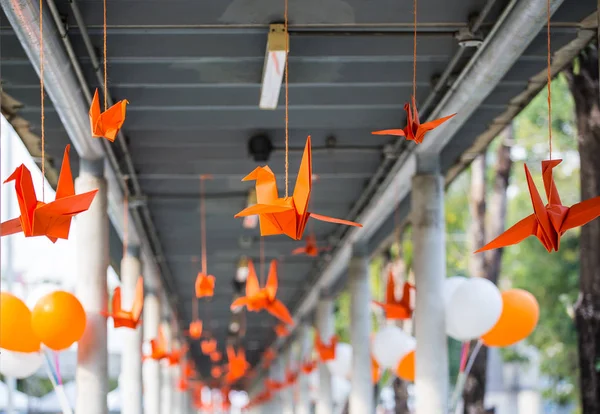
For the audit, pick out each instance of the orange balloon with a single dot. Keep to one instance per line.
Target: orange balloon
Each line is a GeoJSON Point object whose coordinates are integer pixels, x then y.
{"type": "Point", "coordinates": [15, 325]}
{"type": "Point", "coordinates": [520, 315]}
{"type": "Point", "coordinates": [58, 319]}
{"type": "Point", "coordinates": [406, 367]}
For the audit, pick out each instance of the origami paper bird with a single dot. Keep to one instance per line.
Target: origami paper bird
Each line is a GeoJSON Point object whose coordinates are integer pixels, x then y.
{"type": "Point", "coordinates": [205, 285]}
{"type": "Point", "coordinates": [414, 130]}
{"type": "Point", "coordinates": [310, 249]}
{"type": "Point", "coordinates": [326, 351]}
{"type": "Point", "coordinates": [269, 354]}
{"type": "Point", "coordinates": [291, 377]}
{"type": "Point", "coordinates": [183, 384]}
{"type": "Point", "coordinates": [128, 319]}
{"type": "Point", "coordinates": [237, 364]}
{"type": "Point", "coordinates": [53, 219]}
{"type": "Point", "coordinates": [195, 331]}
{"type": "Point", "coordinates": [188, 370]}
{"type": "Point", "coordinates": [375, 370]}
{"type": "Point", "coordinates": [215, 356]}
{"type": "Point", "coordinates": [176, 354]}
{"type": "Point", "coordinates": [208, 346]}
{"type": "Point", "coordinates": [281, 330]}
{"type": "Point", "coordinates": [287, 215]}
{"type": "Point", "coordinates": [257, 299]}
{"type": "Point", "coordinates": [273, 385]}
{"type": "Point", "coordinates": [158, 346]}
{"type": "Point", "coordinates": [393, 308]}
{"type": "Point", "coordinates": [107, 124]}
{"type": "Point", "coordinates": [548, 222]}
{"type": "Point", "coordinates": [216, 372]}
{"type": "Point", "coordinates": [309, 366]}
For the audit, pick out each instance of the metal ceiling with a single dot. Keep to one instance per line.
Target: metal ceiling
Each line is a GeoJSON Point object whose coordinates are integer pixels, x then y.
{"type": "Point", "coordinates": [192, 72]}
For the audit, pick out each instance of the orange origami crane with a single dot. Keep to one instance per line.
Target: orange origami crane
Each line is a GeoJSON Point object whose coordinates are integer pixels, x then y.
{"type": "Point", "coordinates": [216, 372]}
{"type": "Point", "coordinates": [548, 222]}
{"type": "Point", "coordinates": [205, 285]}
{"type": "Point", "coordinates": [281, 330]}
{"type": "Point", "coordinates": [183, 384]}
{"type": "Point", "coordinates": [269, 355]}
{"type": "Point", "coordinates": [375, 370]}
{"type": "Point", "coordinates": [53, 219]}
{"type": "Point", "coordinates": [215, 356]}
{"type": "Point", "coordinates": [108, 123]}
{"type": "Point", "coordinates": [393, 308]}
{"type": "Point", "coordinates": [273, 385]}
{"type": "Point", "coordinates": [195, 331]}
{"type": "Point", "coordinates": [326, 351]}
{"type": "Point", "coordinates": [158, 346]}
{"type": "Point", "coordinates": [188, 370]}
{"type": "Point", "coordinates": [257, 299]}
{"type": "Point", "coordinates": [208, 346]}
{"type": "Point", "coordinates": [176, 354]}
{"type": "Point", "coordinates": [414, 130]}
{"type": "Point", "coordinates": [237, 364]}
{"type": "Point", "coordinates": [309, 366]}
{"type": "Point", "coordinates": [287, 215]}
{"type": "Point", "coordinates": [310, 249]}
{"type": "Point", "coordinates": [128, 319]}
{"type": "Point", "coordinates": [291, 377]}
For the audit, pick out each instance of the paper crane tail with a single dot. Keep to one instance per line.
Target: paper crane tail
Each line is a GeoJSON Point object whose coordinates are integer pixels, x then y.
{"type": "Point", "coordinates": [11, 227]}
{"type": "Point", "coordinates": [278, 309]}
{"type": "Point", "coordinates": [334, 220]}
{"type": "Point", "coordinates": [393, 132]}
{"type": "Point", "coordinates": [517, 233]}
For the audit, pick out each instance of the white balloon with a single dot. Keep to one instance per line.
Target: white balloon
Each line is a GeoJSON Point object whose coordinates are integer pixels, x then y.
{"type": "Point", "coordinates": [450, 285]}
{"type": "Point", "coordinates": [390, 345]}
{"type": "Point", "coordinates": [342, 364]}
{"type": "Point", "coordinates": [473, 309]}
{"type": "Point", "coordinates": [19, 364]}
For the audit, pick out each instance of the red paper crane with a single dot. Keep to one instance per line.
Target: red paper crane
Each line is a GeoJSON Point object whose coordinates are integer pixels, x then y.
{"type": "Point", "coordinates": [269, 355]}
{"type": "Point", "coordinates": [548, 222]}
{"type": "Point", "coordinates": [309, 366]}
{"type": "Point", "coordinates": [393, 308]}
{"type": "Point", "coordinates": [108, 123]}
{"type": "Point", "coordinates": [158, 346]}
{"type": "Point", "coordinates": [195, 331]}
{"type": "Point", "coordinates": [188, 370]}
{"type": "Point", "coordinates": [287, 215]}
{"type": "Point", "coordinates": [215, 356]}
{"type": "Point", "coordinates": [216, 372]}
{"type": "Point", "coordinates": [237, 364]}
{"type": "Point", "coordinates": [257, 299]}
{"type": "Point", "coordinates": [310, 249]}
{"type": "Point", "coordinates": [176, 354]}
{"type": "Point", "coordinates": [273, 385]}
{"type": "Point", "coordinates": [205, 285]}
{"type": "Point", "coordinates": [414, 130]}
{"type": "Point", "coordinates": [183, 384]}
{"type": "Point", "coordinates": [208, 346]}
{"type": "Point", "coordinates": [291, 377]}
{"type": "Point", "coordinates": [326, 351]}
{"type": "Point", "coordinates": [281, 330]}
{"type": "Point", "coordinates": [128, 319]}
{"type": "Point", "coordinates": [53, 219]}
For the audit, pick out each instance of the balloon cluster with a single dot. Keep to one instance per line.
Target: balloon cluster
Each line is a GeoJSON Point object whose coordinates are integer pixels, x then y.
{"type": "Point", "coordinates": [476, 309]}
{"type": "Point", "coordinates": [57, 321]}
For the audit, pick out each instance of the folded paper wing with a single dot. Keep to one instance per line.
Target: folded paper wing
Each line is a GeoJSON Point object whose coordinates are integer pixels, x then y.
{"type": "Point", "coordinates": [414, 130]}
{"type": "Point", "coordinates": [548, 222]}
{"type": "Point", "coordinates": [107, 124]}
{"type": "Point", "coordinates": [53, 219]}
{"type": "Point", "coordinates": [287, 215]}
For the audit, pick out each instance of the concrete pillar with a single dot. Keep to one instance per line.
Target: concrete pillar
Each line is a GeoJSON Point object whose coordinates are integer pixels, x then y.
{"type": "Point", "coordinates": [151, 368]}
{"type": "Point", "coordinates": [177, 399]}
{"type": "Point", "coordinates": [361, 396]}
{"type": "Point", "coordinates": [303, 404]}
{"type": "Point", "coordinates": [277, 373]}
{"type": "Point", "coordinates": [131, 366]}
{"type": "Point", "coordinates": [167, 383]}
{"type": "Point", "coordinates": [429, 261]}
{"type": "Point", "coordinates": [91, 290]}
{"type": "Point", "coordinates": [288, 393]}
{"type": "Point", "coordinates": [325, 327]}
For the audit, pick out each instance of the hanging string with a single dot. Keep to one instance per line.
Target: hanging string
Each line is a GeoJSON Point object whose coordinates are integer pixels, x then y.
{"type": "Point", "coordinates": [43, 137]}
{"type": "Point", "coordinates": [203, 225]}
{"type": "Point", "coordinates": [287, 134]}
{"type": "Point", "coordinates": [549, 72]}
{"type": "Point", "coordinates": [415, 50]}
{"type": "Point", "coordinates": [262, 261]}
{"type": "Point", "coordinates": [105, 77]}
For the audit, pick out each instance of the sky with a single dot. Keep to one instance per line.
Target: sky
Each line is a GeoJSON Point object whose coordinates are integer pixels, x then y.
{"type": "Point", "coordinates": [35, 260]}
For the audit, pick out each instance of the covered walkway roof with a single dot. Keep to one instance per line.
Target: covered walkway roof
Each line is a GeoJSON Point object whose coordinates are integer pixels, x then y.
{"type": "Point", "coordinates": [192, 72]}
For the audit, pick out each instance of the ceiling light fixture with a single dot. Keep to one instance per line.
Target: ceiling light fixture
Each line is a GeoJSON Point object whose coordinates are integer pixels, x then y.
{"type": "Point", "coordinates": [274, 66]}
{"type": "Point", "coordinates": [242, 271]}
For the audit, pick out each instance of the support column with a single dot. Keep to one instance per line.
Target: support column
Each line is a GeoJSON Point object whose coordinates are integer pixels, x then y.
{"type": "Point", "coordinates": [428, 228]}
{"type": "Point", "coordinates": [288, 393]}
{"type": "Point", "coordinates": [361, 395]}
{"type": "Point", "coordinates": [91, 290]}
{"type": "Point", "coordinates": [325, 327]}
{"type": "Point", "coordinates": [131, 366]}
{"type": "Point", "coordinates": [166, 392]}
{"type": "Point", "coordinates": [303, 404]}
{"type": "Point", "coordinates": [277, 373]}
{"type": "Point", "coordinates": [177, 396]}
{"type": "Point", "coordinates": [151, 368]}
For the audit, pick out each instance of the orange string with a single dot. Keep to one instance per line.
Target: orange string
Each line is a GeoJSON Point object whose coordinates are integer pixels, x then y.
{"type": "Point", "coordinates": [415, 50]}
{"type": "Point", "coordinates": [549, 84]}
{"type": "Point", "coordinates": [105, 77]}
{"type": "Point", "coordinates": [203, 225]}
{"type": "Point", "coordinates": [43, 137]}
{"type": "Point", "coordinates": [287, 135]}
